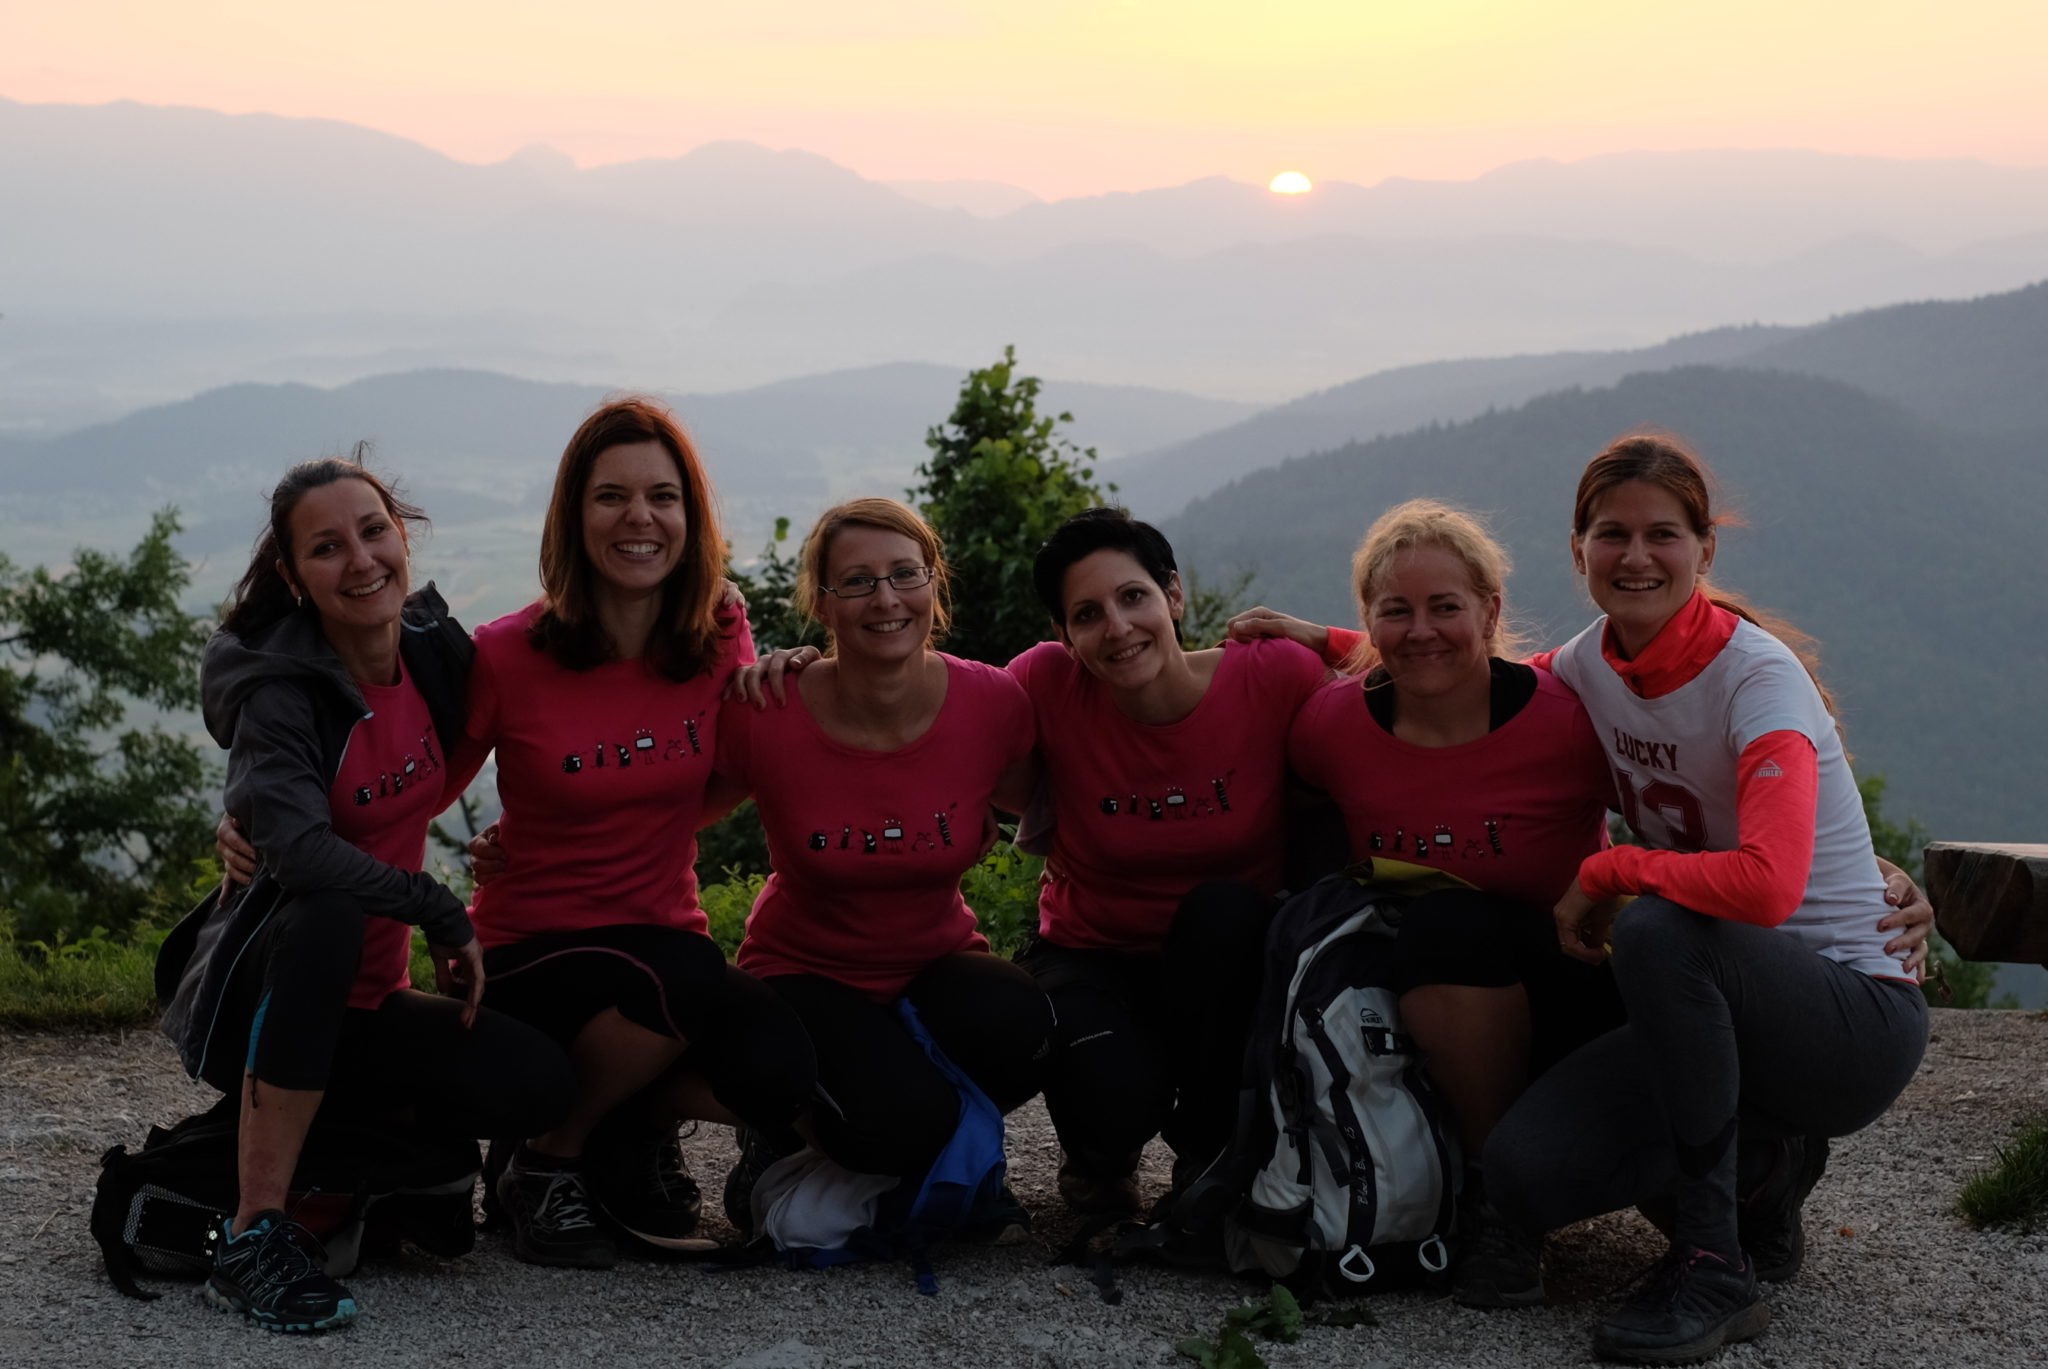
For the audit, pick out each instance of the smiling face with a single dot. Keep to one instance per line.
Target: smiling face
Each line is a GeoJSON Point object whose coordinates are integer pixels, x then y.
{"type": "Point", "coordinates": [1642, 559]}
{"type": "Point", "coordinates": [1430, 624]}
{"type": "Point", "coordinates": [348, 555]}
{"type": "Point", "coordinates": [890, 624]}
{"type": "Point", "coordinates": [634, 527]}
{"type": "Point", "coordinates": [1119, 621]}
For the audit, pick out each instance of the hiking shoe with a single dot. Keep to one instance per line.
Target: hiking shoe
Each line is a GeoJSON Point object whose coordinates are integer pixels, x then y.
{"type": "Point", "coordinates": [1771, 1221]}
{"type": "Point", "coordinates": [1774, 1178]}
{"type": "Point", "coordinates": [274, 1274]}
{"type": "Point", "coordinates": [1089, 1193]}
{"type": "Point", "coordinates": [756, 1155]}
{"type": "Point", "coordinates": [642, 1185]}
{"type": "Point", "coordinates": [1692, 1303]}
{"type": "Point", "coordinates": [551, 1218]}
{"type": "Point", "coordinates": [1496, 1265]}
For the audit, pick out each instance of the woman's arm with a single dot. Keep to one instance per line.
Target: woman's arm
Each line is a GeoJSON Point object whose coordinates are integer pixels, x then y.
{"type": "Point", "coordinates": [1334, 644]}
{"type": "Point", "coordinates": [277, 791]}
{"type": "Point", "coordinates": [1762, 880]}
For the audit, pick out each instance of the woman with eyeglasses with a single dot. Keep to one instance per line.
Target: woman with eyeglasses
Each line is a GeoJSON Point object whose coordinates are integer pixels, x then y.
{"type": "Point", "coordinates": [875, 780]}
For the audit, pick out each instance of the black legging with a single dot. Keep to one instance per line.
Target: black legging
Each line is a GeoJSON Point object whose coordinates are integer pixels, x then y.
{"type": "Point", "coordinates": [288, 997]}
{"type": "Point", "coordinates": [886, 1108]}
{"type": "Point", "coordinates": [1731, 1028]}
{"type": "Point", "coordinates": [1149, 1045]}
{"type": "Point", "coordinates": [744, 1040]}
{"type": "Point", "coordinates": [1467, 937]}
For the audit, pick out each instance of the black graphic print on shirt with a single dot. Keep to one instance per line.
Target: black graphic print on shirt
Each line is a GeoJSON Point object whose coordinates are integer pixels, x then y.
{"type": "Point", "coordinates": [642, 747]}
{"type": "Point", "coordinates": [1174, 802]}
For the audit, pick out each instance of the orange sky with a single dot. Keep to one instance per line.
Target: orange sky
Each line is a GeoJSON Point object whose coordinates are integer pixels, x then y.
{"type": "Point", "coordinates": [1078, 96]}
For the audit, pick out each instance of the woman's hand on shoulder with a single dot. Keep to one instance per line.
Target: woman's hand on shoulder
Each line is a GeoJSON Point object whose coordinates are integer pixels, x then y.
{"type": "Point", "coordinates": [1912, 918]}
{"type": "Point", "coordinates": [1254, 623]}
{"type": "Point", "coordinates": [487, 858]}
{"type": "Point", "coordinates": [769, 675]}
{"type": "Point", "coordinates": [238, 859]}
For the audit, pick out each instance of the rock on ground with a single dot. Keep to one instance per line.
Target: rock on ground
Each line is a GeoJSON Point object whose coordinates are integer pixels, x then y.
{"type": "Point", "coordinates": [1893, 1276]}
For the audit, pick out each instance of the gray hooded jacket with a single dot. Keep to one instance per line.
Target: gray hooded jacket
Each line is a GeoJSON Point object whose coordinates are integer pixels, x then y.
{"type": "Point", "coordinates": [284, 706]}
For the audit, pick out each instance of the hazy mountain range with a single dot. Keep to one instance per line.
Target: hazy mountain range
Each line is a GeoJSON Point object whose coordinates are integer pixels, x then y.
{"type": "Point", "coordinates": [149, 253]}
{"type": "Point", "coordinates": [1906, 543]}
{"type": "Point", "coordinates": [1979, 365]}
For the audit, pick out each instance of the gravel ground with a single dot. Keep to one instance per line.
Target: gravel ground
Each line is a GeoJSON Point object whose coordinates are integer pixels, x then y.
{"type": "Point", "coordinates": [1892, 1276]}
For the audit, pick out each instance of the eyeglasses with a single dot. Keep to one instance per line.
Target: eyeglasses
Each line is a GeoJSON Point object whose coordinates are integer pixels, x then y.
{"type": "Point", "coordinates": [861, 586]}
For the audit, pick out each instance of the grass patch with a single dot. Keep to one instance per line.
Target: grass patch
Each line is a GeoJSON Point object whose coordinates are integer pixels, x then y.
{"type": "Point", "coordinates": [93, 982]}
{"type": "Point", "coordinates": [2014, 1191]}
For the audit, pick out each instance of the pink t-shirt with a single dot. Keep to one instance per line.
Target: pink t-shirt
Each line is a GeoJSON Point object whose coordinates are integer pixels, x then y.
{"type": "Point", "coordinates": [387, 790]}
{"type": "Point", "coordinates": [1145, 813]}
{"type": "Point", "coordinates": [869, 846]}
{"type": "Point", "coordinates": [1513, 812]}
{"type": "Point", "coordinates": [601, 773]}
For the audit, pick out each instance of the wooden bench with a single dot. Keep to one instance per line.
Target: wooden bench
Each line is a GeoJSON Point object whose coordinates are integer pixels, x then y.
{"type": "Point", "coordinates": [1990, 901]}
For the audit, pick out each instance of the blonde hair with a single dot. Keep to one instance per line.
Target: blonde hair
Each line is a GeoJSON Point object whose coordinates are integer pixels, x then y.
{"type": "Point", "coordinates": [1428, 523]}
{"type": "Point", "coordinates": [888, 516]}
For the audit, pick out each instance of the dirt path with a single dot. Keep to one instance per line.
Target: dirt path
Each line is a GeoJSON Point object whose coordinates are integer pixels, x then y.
{"type": "Point", "coordinates": [1893, 1278]}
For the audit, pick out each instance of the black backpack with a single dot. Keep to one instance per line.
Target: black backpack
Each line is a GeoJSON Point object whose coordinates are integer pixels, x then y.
{"type": "Point", "coordinates": [158, 1212]}
{"type": "Point", "coordinates": [1343, 1175]}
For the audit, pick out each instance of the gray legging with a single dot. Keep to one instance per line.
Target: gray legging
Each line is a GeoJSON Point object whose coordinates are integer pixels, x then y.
{"type": "Point", "coordinates": [1730, 1027]}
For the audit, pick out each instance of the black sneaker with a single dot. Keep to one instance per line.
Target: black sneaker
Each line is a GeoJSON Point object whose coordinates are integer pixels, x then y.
{"type": "Point", "coordinates": [756, 1155]}
{"type": "Point", "coordinates": [1692, 1304]}
{"type": "Point", "coordinates": [1091, 1193]}
{"type": "Point", "coordinates": [1771, 1221]}
{"type": "Point", "coordinates": [275, 1274]}
{"type": "Point", "coordinates": [1496, 1265]}
{"type": "Point", "coordinates": [551, 1218]}
{"type": "Point", "coordinates": [642, 1185]}
{"type": "Point", "coordinates": [1773, 1178]}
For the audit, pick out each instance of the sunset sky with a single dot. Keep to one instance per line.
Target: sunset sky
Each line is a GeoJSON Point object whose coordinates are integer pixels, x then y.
{"type": "Point", "coordinates": [1069, 97]}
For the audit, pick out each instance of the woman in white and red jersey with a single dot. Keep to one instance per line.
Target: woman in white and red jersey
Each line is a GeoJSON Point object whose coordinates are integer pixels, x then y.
{"type": "Point", "coordinates": [1760, 994]}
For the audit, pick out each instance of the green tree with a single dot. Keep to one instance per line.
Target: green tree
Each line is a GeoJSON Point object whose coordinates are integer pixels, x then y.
{"type": "Point", "coordinates": [999, 479]}
{"type": "Point", "coordinates": [770, 590]}
{"type": "Point", "coordinates": [1952, 982]}
{"type": "Point", "coordinates": [97, 822]}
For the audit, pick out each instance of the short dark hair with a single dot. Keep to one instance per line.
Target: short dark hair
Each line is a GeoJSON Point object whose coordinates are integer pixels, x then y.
{"type": "Point", "coordinates": [1090, 531]}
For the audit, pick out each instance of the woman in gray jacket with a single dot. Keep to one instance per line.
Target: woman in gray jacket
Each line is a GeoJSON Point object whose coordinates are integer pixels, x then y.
{"type": "Point", "coordinates": [338, 695]}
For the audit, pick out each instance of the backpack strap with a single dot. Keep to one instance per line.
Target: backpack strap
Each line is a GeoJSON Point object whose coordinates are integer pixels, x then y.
{"type": "Point", "coordinates": [109, 1218]}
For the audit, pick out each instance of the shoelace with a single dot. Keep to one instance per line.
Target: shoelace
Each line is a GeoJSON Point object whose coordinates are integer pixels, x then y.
{"type": "Point", "coordinates": [280, 1258]}
{"type": "Point", "coordinates": [564, 1205]}
{"type": "Point", "coordinates": [670, 1172]}
{"type": "Point", "coordinates": [1493, 1237]}
{"type": "Point", "coordinates": [1668, 1282]}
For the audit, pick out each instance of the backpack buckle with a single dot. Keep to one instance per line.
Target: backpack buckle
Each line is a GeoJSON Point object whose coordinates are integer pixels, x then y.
{"type": "Point", "coordinates": [1356, 1254]}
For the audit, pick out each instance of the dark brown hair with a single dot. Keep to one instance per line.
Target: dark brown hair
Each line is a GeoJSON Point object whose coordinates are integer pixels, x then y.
{"type": "Point", "coordinates": [685, 640]}
{"type": "Point", "coordinates": [1666, 461]}
{"type": "Point", "coordinates": [262, 595]}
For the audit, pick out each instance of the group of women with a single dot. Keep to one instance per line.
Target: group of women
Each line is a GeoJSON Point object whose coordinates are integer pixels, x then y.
{"type": "Point", "coordinates": [1689, 1052]}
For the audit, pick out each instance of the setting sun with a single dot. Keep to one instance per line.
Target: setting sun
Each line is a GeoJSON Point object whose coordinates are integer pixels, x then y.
{"type": "Point", "coordinates": [1290, 183]}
